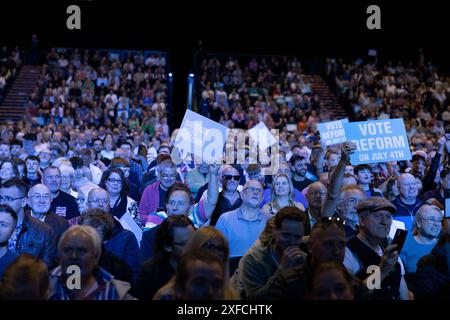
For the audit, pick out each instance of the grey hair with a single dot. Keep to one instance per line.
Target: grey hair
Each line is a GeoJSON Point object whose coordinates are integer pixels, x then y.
{"type": "Point", "coordinates": [64, 168]}
{"type": "Point", "coordinates": [426, 208]}
{"type": "Point", "coordinates": [88, 231]}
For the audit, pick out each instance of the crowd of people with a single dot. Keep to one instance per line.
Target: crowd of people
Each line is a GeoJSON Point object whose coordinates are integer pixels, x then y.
{"type": "Point", "coordinates": [102, 195]}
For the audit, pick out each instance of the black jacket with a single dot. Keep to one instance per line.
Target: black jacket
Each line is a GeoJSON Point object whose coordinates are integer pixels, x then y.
{"type": "Point", "coordinates": [38, 239]}
{"type": "Point", "coordinates": [58, 224]}
{"type": "Point", "coordinates": [432, 280]}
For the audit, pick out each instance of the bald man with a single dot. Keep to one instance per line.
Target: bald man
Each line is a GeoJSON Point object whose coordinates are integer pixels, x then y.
{"type": "Point", "coordinates": [408, 202]}
{"type": "Point", "coordinates": [39, 200]}
{"type": "Point", "coordinates": [98, 198]}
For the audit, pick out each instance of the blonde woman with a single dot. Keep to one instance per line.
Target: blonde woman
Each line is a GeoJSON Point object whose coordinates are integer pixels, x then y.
{"type": "Point", "coordinates": [206, 238]}
{"type": "Point", "coordinates": [282, 195]}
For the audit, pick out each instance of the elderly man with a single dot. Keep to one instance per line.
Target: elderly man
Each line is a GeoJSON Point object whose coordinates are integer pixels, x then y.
{"type": "Point", "coordinates": [30, 235]}
{"type": "Point", "coordinates": [154, 195]}
{"type": "Point", "coordinates": [243, 226]}
{"type": "Point", "coordinates": [349, 199]}
{"type": "Point", "coordinates": [67, 175]}
{"type": "Point", "coordinates": [80, 246]}
{"type": "Point", "coordinates": [39, 200]}
{"type": "Point", "coordinates": [369, 248]}
{"type": "Point", "coordinates": [125, 228]}
{"type": "Point", "coordinates": [408, 202]}
{"type": "Point", "coordinates": [428, 226]}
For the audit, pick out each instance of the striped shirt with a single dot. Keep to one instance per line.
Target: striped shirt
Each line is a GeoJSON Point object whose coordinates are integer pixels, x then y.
{"type": "Point", "coordinates": [106, 289]}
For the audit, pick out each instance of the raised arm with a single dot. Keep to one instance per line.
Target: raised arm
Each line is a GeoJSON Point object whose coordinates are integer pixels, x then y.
{"type": "Point", "coordinates": [336, 180]}
{"type": "Point", "coordinates": [212, 191]}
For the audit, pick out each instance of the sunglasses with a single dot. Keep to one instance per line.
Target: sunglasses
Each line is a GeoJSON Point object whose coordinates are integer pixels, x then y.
{"type": "Point", "coordinates": [229, 177]}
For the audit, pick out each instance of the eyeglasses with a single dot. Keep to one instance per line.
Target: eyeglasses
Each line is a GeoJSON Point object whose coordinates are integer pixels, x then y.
{"type": "Point", "coordinates": [433, 221]}
{"type": "Point", "coordinates": [353, 202]}
{"type": "Point", "coordinates": [254, 190]}
{"type": "Point", "coordinates": [235, 178]}
{"type": "Point", "coordinates": [116, 181]}
{"type": "Point", "coordinates": [104, 201]}
{"type": "Point", "coordinates": [9, 199]}
{"type": "Point", "coordinates": [38, 197]}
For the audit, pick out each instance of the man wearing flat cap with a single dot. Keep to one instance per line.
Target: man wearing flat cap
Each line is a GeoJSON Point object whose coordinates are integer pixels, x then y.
{"type": "Point", "coordinates": [370, 248]}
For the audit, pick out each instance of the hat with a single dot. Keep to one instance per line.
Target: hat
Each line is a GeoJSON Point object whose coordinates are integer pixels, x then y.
{"type": "Point", "coordinates": [375, 204]}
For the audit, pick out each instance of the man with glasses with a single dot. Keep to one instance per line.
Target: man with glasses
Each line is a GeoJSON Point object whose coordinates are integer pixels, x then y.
{"type": "Point", "coordinates": [229, 197]}
{"type": "Point", "coordinates": [261, 265]}
{"type": "Point", "coordinates": [67, 176]}
{"type": "Point", "coordinates": [154, 196]}
{"type": "Point", "coordinates": [39, 200]}
{"type": "Point", "coordinates": [428, 225]}
{"type": "Point", "coordinates": [120, 242]}
{"type": "Point", "coordinates": [349, 199]}
{"type": "Point", "coordinates": [63, 204]}
{"type": "Point", "coordinates": [370, 249]}
{"type": "Point", "coordinates": [243, 226]}
{"type": "Point", "coordinates": [408, 202]}
{"type": "Point", "coordinates": [30, 235]}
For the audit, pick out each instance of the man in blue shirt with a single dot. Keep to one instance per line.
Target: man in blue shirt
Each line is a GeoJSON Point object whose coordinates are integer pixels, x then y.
{"type": "Point", "coordinates": [429, 226]}
{"type": "Point", "coordinates": [243, 226]}
{"type": "Point", "coordinates": [8, 220]}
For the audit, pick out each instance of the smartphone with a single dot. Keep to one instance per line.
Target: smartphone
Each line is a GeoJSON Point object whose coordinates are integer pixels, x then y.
{"type": "Point", "coordinates": [447, 203]}
{"type": "Point", "coordinates": [399, 239]}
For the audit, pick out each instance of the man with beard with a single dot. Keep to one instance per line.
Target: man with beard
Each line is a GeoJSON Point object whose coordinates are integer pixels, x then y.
{"type": "Point", "coordinates": [8, 221]}
{"type": "Point", "coordinates": [299, 166]}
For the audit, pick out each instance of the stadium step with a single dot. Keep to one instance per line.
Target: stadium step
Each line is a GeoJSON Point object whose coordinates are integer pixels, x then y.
{"type": "Point", "coordinates": [321, 88]}
{"type": "Point", "coordinates": [13, 107]}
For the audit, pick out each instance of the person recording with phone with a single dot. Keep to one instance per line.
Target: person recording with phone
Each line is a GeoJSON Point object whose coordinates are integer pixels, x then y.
{"type": "Point", "coordinates": [370, 248]}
